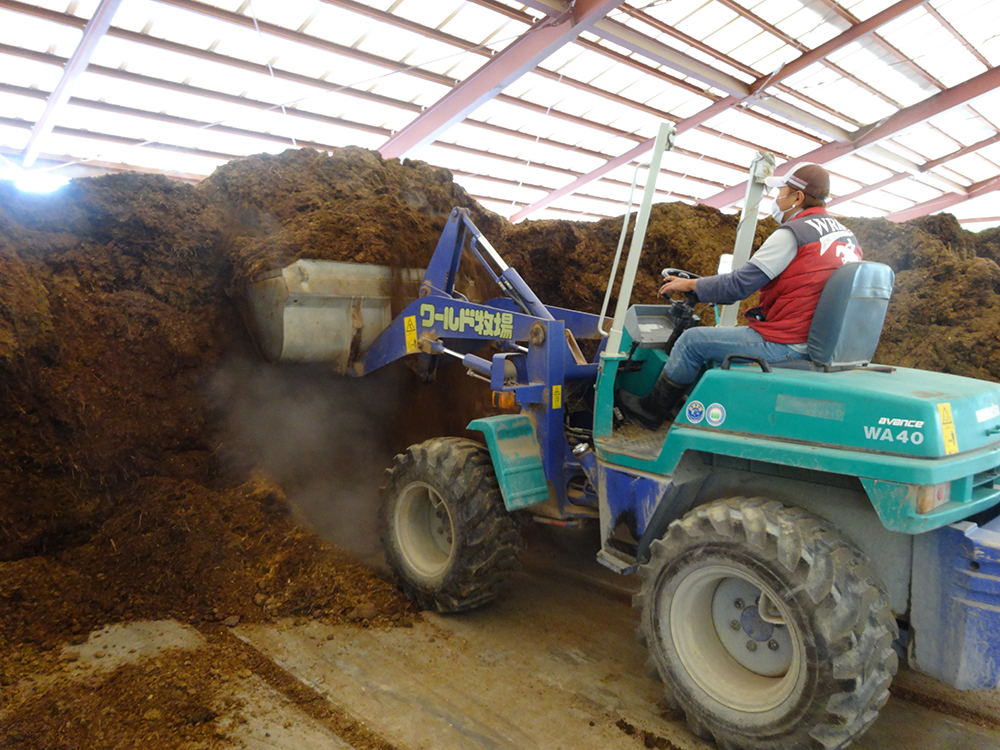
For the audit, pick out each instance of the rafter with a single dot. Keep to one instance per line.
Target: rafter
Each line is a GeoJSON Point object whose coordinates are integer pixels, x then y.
{"type": "Point", "coordinates": [722, 105]}
{"type": "Point", "coordinates": [872, 134]}
{"type": "Point", "coordinates": [92, 34]}
{"type": "Point", "coordinates": [520, 57]}
{"type": "Point", "coordinates": [946, 201]}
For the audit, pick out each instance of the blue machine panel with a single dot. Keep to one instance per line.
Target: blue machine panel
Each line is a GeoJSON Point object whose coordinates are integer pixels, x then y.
{"type": "Point", "coordinates": [955, 610]}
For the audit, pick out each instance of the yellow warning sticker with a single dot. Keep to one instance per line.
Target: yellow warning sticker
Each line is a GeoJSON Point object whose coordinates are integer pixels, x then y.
{"type": "Point", "coordinates": [948, 429]}
{"type": "Point", "coordinates": [410, 325]}
{"type": "Point", "coordinates": [557, 397]}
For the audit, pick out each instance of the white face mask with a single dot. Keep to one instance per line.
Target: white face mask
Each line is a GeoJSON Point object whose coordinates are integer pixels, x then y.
{"type": "Point", "coordinates": [776, 212]}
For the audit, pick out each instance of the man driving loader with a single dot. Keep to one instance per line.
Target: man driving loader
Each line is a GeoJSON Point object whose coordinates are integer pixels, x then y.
{"type": "Point", "coordinates": [790, 270]}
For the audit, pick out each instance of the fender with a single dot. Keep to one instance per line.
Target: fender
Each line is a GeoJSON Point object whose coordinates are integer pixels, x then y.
{"type": "Point", "coordinates": [517, 459]}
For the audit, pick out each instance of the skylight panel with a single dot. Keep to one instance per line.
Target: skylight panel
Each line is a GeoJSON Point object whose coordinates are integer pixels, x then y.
{"type": "Point", "coordinates": [991, 152]}
{"type": "Point", "coordinates": [20, 71]}
{"type": "Point", "coordinates": [35, 34]}
{"type": "Point", "coordinates": [706, 21]}
{"type": "Point", "coordinates": [880, 68]}
{"type": "Point", "coordinates": [83, 8]}
{"type": "Point", "coordinates": [863, 171]}
{"type": "Point", "coordinates": [913, 190]}
{"type": "Point", "coordinates": [865, 9]}
{"type": "Point", "coordinates": [974, 167]}
{"type": "Point", "coordinates": [963, 125]}
{"type": "Point", "coordinates": [393, 43]}
{"type": "Point", "coordinates": [167, 22]}
{"type": "Point", "coordinates": [856, 208]}
{"type": "Point", "coordinates": [337, 25]}
{"type": "Point", "coordinates": [287, 13]}
{"type": "Point", "coordinates": [854, 101]}
{"type": "Point", "coordinates": [774, 61]}
{"type": "Point", "coordinates": [358, 110]}
{"type": "Point", "coordinates": [150, 61]}
{"type": "Point", "coordinates": [803, 22]}
{"type": "Point", "coordinates": [407, 88]}
{"type": "Point", "coordinates": [772, 11]}
{"type": "Point", "coordinates": [933, 48]}
{"type": "Point", "coordinates": [164, 160]}
{"type": "Point", "coordinates": [479, 25]}
{"type": "Point", "coordinates": [346, 71]}
{"type": "Point", "coordinates": [582, 67]}
{"type": "Point", "coordinates": [19, 107]}
{"type": "Point", "coordinates": [930, 143]}
{"type": "Point", "coordinates": [441, 58]}
{"type": "Point", "coordinates": [678, 11]}
{"type": "Point", "coordinates": [244, 44]}
{"type": "Point", "coordinates": [153, 99]}
{"type": "Point", "coordinates": [457, 66]}
{"type": "Point", "coordinates": [618, 78]}
{"type": "Point", "coordinates": [502, 208]}
{"type": "Point", "coordinates": [981, 207]}
{"type": "Point", "coordinates": [758, 47]}
{"type": "Point", "coordinates": [570, 159]}
{"type": "Point", "coordinates": [988, 105]}
{"type": "Point", "coordinates": [541, 90]}
{"type": "Point", "coordinates": [673, 99]}
{"type": "Point", "coordinates": [822, 33]}
{"type": "Point", "coordinates": [605, 189]}
{"type": "Point", "coordinates": [886, 201]}
{"type": "Point", "coordinates": [646, 88]}
{"type": "Point", "coordinates": [732, 34]}
{"type": "Point", "coordinates": [717, 147]}
{"type": "Point", "coordinates": [14, 138]}
{"type": "Point", "coordinates": [977, 21]}
{"type": "Point", "coordinates": [587, 205]}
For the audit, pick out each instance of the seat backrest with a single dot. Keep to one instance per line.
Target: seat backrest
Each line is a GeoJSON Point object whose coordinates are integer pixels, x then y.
{"type": "Point", "coordinates": [849, 317]}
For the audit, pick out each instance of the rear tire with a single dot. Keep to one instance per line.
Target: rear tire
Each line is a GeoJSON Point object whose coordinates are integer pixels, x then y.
{"type": "Point", "coordinates": [445, 530]}
{"type": "Point", "coordinates": [809, 670]}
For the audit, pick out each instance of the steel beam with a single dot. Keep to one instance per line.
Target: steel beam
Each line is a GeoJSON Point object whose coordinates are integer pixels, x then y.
{"type": "Point", "coordinates": [945, 201]}
{"type": "Point", "coordinates": [962, 152]}
{"type": "Point", "coordinates": [856, 32]}
{"type": "Point", "coordinates": [872, 134]}
{"type": "Point", "coordinates": [92, 34]}
{"type": "Point", "coordinates": [711, 111]}
{"type": "Point", "coordinates": [520, 57]}
{"type": "Point", "coordinates": [896, 177]}
{"type": "Point", "coordinates": [742, 92]}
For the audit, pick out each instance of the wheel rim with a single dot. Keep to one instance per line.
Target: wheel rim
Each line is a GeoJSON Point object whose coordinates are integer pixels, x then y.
{"type": "Point", "coordinates": [424, 529]}
{"type": "Point", "coordinates": [703, 615]}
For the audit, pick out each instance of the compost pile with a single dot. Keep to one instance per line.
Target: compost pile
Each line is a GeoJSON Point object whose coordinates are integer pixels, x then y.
{"type": "Point", "coordinates": [149, 456]}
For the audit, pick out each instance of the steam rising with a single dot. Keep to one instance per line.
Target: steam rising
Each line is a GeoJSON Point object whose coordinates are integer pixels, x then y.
{"type": "Point", "coordinates": [325, 439]}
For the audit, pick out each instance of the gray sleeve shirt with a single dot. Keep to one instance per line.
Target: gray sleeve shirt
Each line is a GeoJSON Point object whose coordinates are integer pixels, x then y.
{"type": "Point", "coordinates": [773, 257]}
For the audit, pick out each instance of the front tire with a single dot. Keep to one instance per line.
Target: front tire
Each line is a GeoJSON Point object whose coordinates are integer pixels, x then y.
{"type": "Point", "coordinates": [768, 628]}
{"type": "Point", "coordinates": [445, 530]}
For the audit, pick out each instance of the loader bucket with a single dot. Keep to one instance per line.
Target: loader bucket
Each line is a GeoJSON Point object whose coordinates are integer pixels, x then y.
{"type": "Point", "coordinates": [324, 311]}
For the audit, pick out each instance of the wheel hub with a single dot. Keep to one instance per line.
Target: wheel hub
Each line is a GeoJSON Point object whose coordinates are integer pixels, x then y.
{"type": "Point", "coordinates": [722, 646]}
{"type": "Point", "coordinates": [425, 530]}
{"type": "Point", "coordinates": [757, 639]}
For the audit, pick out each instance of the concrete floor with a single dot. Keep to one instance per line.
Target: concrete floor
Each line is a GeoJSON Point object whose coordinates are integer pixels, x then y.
{"type": "Point", "coordinates": [552, 665]}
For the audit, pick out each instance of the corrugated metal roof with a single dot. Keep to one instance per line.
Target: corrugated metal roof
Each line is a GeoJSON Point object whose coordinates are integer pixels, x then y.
{"type": "Point", "coordinates": [181, 86]}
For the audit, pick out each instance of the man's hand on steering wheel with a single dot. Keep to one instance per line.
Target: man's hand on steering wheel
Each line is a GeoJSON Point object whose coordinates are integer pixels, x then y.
{"type": "Point", "coordinates": [676, 284]}
{"type": "Point", "coordinates": [679, 281]}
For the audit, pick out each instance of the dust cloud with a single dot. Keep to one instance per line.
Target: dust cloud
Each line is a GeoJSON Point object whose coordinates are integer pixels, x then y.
{"type": "Point", "coordinates": [324, 438]}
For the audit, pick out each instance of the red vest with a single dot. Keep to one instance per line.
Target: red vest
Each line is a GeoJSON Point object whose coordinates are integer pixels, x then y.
{"type": "Point", "coordinates": [788, 301]}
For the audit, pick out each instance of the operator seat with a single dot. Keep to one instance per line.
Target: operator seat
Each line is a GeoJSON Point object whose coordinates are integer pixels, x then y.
{"type": "Point", "coordinates": [849, 318]}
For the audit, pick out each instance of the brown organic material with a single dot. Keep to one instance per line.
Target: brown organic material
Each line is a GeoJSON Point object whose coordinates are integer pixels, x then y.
{"type": "Point", "coordinates": [134, 414]}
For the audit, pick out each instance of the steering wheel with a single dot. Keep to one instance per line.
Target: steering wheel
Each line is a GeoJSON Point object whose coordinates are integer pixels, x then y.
{"type": "Point", "coordinates": [690, 298]}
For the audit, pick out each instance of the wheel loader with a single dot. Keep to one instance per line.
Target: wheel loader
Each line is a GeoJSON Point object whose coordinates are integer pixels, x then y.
{"type": "Point", "coordinates": [795, 528]}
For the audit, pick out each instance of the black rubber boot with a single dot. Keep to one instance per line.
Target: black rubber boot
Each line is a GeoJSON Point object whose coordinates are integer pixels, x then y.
{"type": "Point", "coordinates": [651, 410]}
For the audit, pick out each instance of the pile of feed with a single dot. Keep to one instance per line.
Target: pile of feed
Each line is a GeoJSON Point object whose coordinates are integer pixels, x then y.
{"type": "Point", "coordinates": [149, 456]}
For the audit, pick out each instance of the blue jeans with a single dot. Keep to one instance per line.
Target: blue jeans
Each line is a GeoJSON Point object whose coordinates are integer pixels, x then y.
{"type": "Point", "coordinates": [696, 346]}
